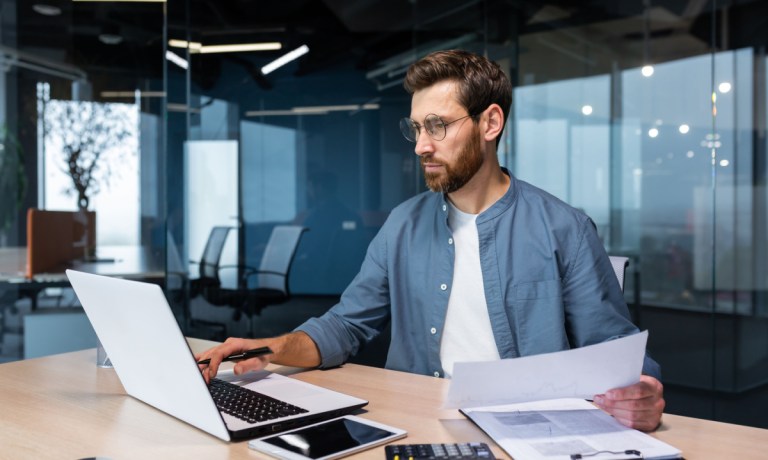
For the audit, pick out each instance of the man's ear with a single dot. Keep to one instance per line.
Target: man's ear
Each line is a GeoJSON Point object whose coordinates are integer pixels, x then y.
{"type": "Point", "coordinates": [495, 122]}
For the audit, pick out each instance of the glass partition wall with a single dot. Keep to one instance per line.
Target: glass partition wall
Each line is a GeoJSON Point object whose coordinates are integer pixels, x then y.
{"type": "Point", "coordinates": [81, 102]}
{"type": "Point", "coordinates": [647, 115]}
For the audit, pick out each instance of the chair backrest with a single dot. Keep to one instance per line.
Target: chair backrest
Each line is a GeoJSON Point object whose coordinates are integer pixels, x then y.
{"type": "Point", "coordinates": [209, 263]}
{"type": "Point", "coordinates": [278, 256]}
{"type": "Point", "coordinates": [56, 238]}
{"type": "Point", "coordinates": [620, 265]}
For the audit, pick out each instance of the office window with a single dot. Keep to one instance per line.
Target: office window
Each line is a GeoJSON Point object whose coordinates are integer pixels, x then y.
{"type": "Point", "coordinates": [94, 146]}
{"type": "Point", "coordinates": [563, 142]}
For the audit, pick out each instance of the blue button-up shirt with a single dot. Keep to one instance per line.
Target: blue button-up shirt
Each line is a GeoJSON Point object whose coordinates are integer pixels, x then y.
{"type": "Point", "coordinates": [549, 285]}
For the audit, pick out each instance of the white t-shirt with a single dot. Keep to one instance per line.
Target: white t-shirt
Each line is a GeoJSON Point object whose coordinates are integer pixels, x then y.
{"type": "Point", "coordinates": [467, 333]}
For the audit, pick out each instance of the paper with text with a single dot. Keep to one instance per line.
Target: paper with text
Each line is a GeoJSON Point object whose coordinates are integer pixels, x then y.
{"type": "Point", "coordinates": [557, 429]}
{"type": "Point", "coordinates": [577, 373]}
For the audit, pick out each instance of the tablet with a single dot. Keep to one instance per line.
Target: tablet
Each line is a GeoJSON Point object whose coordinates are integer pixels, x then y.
{"type": "Point", "coordinates": [327, 440]}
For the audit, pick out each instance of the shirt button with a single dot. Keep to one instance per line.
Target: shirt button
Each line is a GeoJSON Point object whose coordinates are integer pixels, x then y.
{"type": "Point", "coordinates": [437, 374]}
{"type": "Point", "coordinates": [433, 330]}
{"type": "Point", "coordinates": [450, 240]}
{"type": "Point", "coordinates": [443, 287]}
{"type": "Point", "coordinates": [445, 207]}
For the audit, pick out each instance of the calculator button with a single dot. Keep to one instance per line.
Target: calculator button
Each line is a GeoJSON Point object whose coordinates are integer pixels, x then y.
{"type": "Point", "coordinates": [460, 451]}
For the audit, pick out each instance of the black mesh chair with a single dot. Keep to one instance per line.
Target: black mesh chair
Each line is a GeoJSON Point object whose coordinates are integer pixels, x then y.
{"type": "Point", "coordinates": [207, 281]}
{"type": "Point", "coordinates": [255, 288]}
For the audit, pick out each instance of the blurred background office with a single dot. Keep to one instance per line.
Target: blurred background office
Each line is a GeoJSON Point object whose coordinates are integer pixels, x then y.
{"type": "Point", "coordinates": [171, 118]}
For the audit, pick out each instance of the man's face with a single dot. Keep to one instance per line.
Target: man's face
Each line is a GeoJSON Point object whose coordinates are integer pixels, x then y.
{"type": "Point", "coordinates": [449, 163]}
{"type": "Point", "coordinates": [455, 174]}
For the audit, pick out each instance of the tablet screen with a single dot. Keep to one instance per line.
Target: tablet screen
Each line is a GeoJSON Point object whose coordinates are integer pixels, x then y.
{"type": "Point", "coordinates": [328, 438]}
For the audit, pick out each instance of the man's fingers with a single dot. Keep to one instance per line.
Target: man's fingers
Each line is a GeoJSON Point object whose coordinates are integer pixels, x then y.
{"type": "Point", "coordinates": [646, 387]}
{"type": "Point", "coordinates": [641, 414]}
{"type": "Point", "coordinates": [250, 365]}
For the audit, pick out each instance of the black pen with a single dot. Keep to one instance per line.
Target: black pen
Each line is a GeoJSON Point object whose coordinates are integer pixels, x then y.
{"type": "Point", "coordinates": [241, 356]}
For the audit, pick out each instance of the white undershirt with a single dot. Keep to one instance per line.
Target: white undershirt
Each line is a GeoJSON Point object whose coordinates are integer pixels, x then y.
{"type": "Point", "coordinates": [467, 334]}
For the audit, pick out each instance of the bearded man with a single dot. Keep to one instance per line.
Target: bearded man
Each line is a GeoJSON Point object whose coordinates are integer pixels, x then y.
{"type": "Point", "coordinates": [481, 267]}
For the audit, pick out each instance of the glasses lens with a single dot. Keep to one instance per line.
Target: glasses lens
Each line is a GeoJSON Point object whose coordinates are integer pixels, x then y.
{"type": "Point", "coordinates": [435, 127]}
{"type": "Point", "coordinates": [409, 129]}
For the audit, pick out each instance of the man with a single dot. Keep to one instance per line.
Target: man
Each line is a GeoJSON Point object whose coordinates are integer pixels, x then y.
{"type": "Point", "coordinates": [482, 267]}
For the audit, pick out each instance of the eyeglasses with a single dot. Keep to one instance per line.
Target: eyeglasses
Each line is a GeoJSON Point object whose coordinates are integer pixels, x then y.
{"type": "Point", "coordinates": [433, 124]}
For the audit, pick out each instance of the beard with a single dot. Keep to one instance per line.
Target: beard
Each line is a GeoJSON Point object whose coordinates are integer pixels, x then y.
{"type": "Point", "coordinates": [456, 176]}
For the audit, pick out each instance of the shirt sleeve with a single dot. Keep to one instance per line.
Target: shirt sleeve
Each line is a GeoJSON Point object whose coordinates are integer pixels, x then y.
{"type": "Point", "coordinates": [362, 312]}
{"type": "Point", "coordinates": [594, 301]}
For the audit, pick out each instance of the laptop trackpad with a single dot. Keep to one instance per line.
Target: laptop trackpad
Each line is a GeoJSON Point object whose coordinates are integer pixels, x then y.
{"type": "Point", "coordinates": [276, 386]}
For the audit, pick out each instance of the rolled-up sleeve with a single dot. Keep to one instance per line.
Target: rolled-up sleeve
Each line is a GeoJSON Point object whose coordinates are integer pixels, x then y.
{"type": "Point", "coordinates": [362, 312]}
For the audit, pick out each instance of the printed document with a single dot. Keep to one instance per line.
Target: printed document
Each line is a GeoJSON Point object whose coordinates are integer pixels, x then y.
{"type": "Point", "coordinates": [560, 428]}
{"type": "Point", "coordinates": [577, 373]}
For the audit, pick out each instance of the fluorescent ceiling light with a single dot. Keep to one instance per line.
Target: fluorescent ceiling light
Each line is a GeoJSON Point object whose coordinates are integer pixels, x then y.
{"type": "Point", "coordinates": [313, 110]}
{"type": "Point", "coordinates": [325, 108]}
{"type": "Point", "coordinates": [266, 46]}
{"type": "Point", "coordinates": [185, 44]}
{"type": "Point", "coordinates": [110, 38]}
{"type": "Point", "coordinates": [176, 59]}
{"type": "Point", "coordinates": [139, 93]}
{"type": "Point", "coordinates": [196, 47]}
{"type": "Point", "coordinates": [176, 107]}
{"type": "Point", "coordinates": [285, 59]}
{"type": "Point", "coordinates": [46, 10]}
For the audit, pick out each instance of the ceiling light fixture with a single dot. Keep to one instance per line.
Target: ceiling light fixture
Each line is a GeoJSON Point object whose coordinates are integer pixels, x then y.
{"type": "Point", "coordinates": [313, 110]}
{"type": "Point", "coordinates": [176, 59]}
{"type": "Point", "coordinates": [46, 10]}
{"type": "Point", "coordinates": [131, 94]}
{"type": "Point", "coordinates": [285, 59]}
{"type": "Point", "coordinates": [110, 35]}
{"type": "Point", "coordinates": [196, 47]}
{"type": "Point", "coordinates": [647, 70]}
{"type": "Point", "coordinates": [185, 44]}
{"type": "Point", "coordinates": [236, 48]}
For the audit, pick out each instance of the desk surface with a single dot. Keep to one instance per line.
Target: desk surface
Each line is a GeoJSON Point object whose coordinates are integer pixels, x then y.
{"type": "Point", "coordinates": [125, 261]}
{"type": "Point", "coordinates": [63, 406]}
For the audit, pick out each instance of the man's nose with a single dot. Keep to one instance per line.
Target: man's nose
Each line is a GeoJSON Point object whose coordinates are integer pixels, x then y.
{"type": "Point", "coordinates": [424, 144]}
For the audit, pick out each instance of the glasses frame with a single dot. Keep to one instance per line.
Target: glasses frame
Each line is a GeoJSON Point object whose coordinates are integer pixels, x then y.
{"type": "Point", "coordinates": [406, 123]}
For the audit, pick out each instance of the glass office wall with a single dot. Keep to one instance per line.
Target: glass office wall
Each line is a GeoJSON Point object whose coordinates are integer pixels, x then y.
{"type": "Point", "coordinates": [647, 115]}
{"type": "Point", "coordinates": [81, 101]}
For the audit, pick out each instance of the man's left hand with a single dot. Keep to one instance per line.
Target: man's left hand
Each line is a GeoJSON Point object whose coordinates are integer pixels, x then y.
{"type": "Point", "coordinates": [637, 406]}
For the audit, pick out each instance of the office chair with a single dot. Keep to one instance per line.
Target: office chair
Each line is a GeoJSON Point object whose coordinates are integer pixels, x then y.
{"type": "Point", "coordinates": [208, 279]}
{"type": "Point", "coordinates": [620, 265]}
{"type": "Point", "coordinates": [256, 288]}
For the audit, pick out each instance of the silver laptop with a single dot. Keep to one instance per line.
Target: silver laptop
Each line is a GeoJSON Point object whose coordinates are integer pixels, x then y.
{"type": "Point", "coordinates": [155, 364]}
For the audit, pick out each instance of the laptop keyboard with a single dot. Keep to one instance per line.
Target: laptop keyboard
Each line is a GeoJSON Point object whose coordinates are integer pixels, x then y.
{"type": "Point", "coordinates": [249, 405]}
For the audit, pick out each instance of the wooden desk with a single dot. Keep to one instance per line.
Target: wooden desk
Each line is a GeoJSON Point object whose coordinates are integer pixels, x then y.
{"type": "Point", "coordinates": [63, 406]}
{"type": "Point", "coordinates": [125, 261]}
{"type": "Point", "coordinates": [133, 262]}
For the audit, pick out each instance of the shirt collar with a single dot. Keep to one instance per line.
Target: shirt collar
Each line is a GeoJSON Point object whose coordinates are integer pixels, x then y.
{"type": "Point", "coordinates": [497, 208]}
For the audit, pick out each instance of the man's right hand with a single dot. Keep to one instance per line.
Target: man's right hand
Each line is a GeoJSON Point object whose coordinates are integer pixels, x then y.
{"type": "Point", "coordinates": [294, 349]}
{"type": "Point", "coordinates": [230, 347]}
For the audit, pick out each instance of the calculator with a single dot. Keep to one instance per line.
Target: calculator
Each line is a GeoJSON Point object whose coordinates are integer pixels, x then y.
{"type": "Point", "coordinates": [460, 451]}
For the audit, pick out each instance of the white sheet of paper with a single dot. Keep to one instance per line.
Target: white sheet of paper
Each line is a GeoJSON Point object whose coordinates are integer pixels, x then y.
{"type": "Point", "coordinates": [555, 429]}
{"type": "Point", "coordinates": [577, 373]}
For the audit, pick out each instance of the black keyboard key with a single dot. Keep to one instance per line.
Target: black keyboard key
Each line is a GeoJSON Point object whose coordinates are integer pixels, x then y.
{"type": "Point", "coordinates": [249, 405]}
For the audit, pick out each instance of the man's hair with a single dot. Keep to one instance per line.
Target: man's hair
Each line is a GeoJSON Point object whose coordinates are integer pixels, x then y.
{"type": "Point", "coordinates": [480, 82]}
